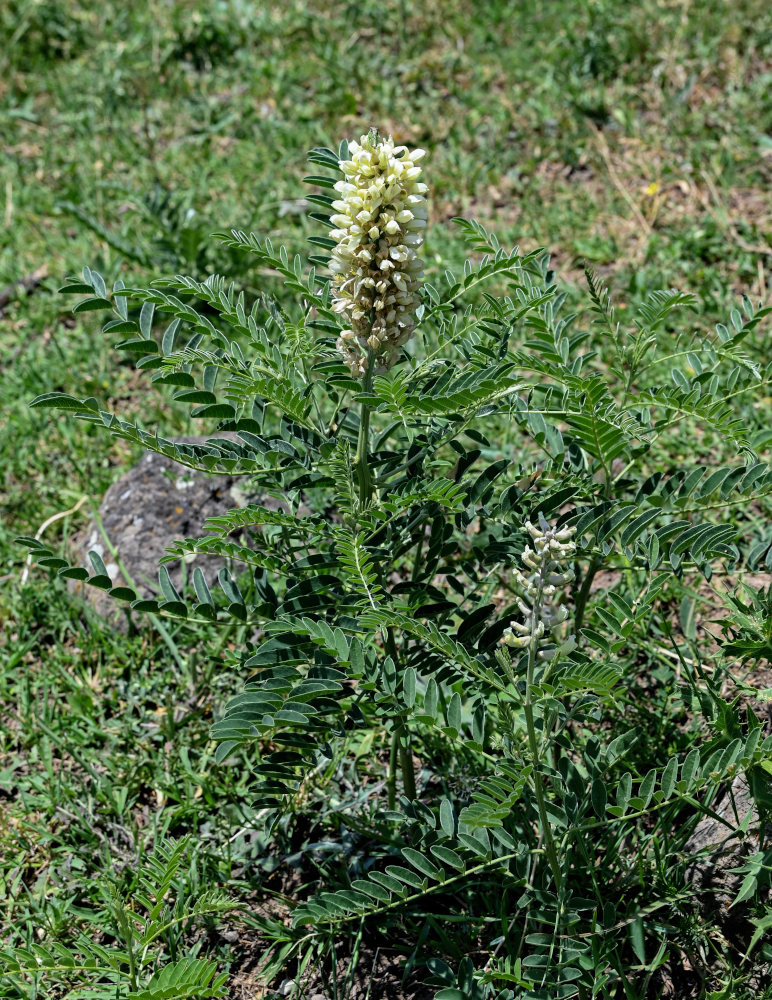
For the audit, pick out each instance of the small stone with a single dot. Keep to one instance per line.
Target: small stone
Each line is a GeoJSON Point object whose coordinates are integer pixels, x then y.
{"type": "Point", "coordinates": [713, 875]}
{"type": "Point", "coordinates": [152, 505]}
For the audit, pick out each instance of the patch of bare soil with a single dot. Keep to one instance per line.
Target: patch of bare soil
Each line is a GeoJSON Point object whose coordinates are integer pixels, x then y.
{"type": "Point", "coordinates": [639, 188]}
{"type": "Point", "coordinates": [376, 972]}
{"type": "Point", "coordinates": [377, 975]}
{"type": "Point", "coordinates": [677, 981]}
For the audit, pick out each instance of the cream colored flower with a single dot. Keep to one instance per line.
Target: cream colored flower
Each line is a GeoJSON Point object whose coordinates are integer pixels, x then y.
{"type": "Point", "coordinates": [552, 549]}
{"type": "Point", "coordinates": [376, 272]}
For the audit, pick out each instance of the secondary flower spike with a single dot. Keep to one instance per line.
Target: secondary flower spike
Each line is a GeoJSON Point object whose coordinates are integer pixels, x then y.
{"type": "Point", "coordinates": [376, 271]}
{"type": "Point", "coordinates": [545, 572]}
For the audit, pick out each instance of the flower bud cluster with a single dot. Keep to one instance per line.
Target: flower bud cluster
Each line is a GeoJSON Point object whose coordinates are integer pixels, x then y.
{"type": "Point", "coordinates": [376, 272]}
{"type": "Point", "coordinates": [544, 573]}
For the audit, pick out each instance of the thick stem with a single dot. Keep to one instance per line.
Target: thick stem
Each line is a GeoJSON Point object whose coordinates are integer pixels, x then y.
{"type": "Point", "coordinates": [549, 841]}
{"type": "Point", "coordinates": [408, 774]}
{"type": "Point", "coordinates": [364, 475]}
{"type": "Point", "coordinates": [401, 743]}
{"type": "Point", "coordinates": [419, 551]}
{"type": "Point", "coordinates": [584, 592]}
{"type": "Point", "coordinates": [391, 781]}
{"type": "Point", "coordinates": [533, 743]}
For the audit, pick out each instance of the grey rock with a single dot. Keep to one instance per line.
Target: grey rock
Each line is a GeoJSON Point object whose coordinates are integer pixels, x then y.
{"type": "Point", "coordinates": [721, 848]}
{"type": "Point", "coordinates": [153, 504]}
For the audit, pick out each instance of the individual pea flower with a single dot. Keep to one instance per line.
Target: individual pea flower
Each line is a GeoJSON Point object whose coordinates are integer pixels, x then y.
{"type": "Point", "coordinates": [544, 572]}
{"type": "Point", "coordinates": [376, 271]}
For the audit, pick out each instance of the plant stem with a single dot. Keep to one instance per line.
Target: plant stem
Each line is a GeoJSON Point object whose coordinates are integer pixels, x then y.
{"type": "Point", "coordinates": [408, 774]}
{"type": "Point", "coordinates": [584, 592]}
{"type": "Point", "coordinates": [401, 744]}
{"type": "Point", "coordinates": [128, 938]}
{"type": "Point", "coordinates": [549, 842]}
{"type": "Point", "coordinates": [418, 561]}
{"type": "Point", "coordinates": [363, 444]}
{"type": "Point", "coordinates": [533, 743]}
{"type": "Point", "coordinates": [402, 755]}
{"type": "Point", "coordinates": [364, 477]}
{"type": "Point", "coordinates": [391, 781]}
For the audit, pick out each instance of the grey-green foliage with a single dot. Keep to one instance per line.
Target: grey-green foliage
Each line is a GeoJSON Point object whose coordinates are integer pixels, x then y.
{"type": "Point", "coordinates": [384, 612]}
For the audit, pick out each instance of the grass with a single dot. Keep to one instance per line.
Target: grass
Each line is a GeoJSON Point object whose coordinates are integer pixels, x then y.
{"type": "Point", "coordinates": [636, 138]}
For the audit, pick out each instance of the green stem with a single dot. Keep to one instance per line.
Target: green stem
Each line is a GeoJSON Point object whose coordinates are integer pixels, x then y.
{"type": "Point", "coordinates": [549, 842]}
{"type": "Point", "coordinates": [401, 743]}
{"type": "Point", "coordinates": [391, 781]}
{"type": "Point", "coordinates": [401, 756]}
{"type": "Point", "coordinates": [408, 774]}
{"type": "Point", "coordinates": [533, 743]}
{"type": "Point", "coordinates": [419, 551]}
{"type": "Point", "coordinates": [364, 475]}
{"type": "Point", "coordinates": [128, 937]}
{"type": "Point", "coordinates": [584, 592]}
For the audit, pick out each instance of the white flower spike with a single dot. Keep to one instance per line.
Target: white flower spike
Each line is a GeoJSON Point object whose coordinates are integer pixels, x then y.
{"type": "Point", "coordinates": [376, 271]}
{"type": "Point", "coordinates": [543, 618]}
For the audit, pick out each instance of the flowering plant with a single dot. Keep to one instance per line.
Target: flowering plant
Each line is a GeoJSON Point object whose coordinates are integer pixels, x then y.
{"type": "Point", "coordinates": [375, 266]}
{"type": "Point", "coordinates": [379, 600]}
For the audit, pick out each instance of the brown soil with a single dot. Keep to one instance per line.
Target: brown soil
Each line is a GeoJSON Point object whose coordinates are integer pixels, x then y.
{"type": "Point", "coordinates": [377, 975]}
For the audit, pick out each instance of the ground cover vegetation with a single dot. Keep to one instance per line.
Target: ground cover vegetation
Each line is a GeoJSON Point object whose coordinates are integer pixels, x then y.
{"type": "Point", "coordinates": [450, 719]}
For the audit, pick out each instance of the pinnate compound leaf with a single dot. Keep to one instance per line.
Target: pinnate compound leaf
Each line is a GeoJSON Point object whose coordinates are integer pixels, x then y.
{"type": "Point", "coordinates": [196, 979]}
